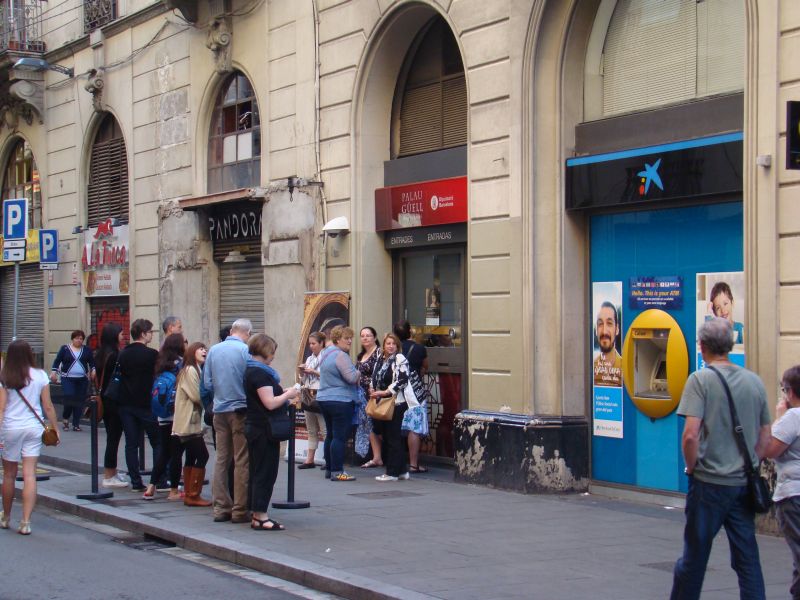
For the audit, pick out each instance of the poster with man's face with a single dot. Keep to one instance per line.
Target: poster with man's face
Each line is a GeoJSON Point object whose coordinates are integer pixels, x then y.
{"type": "Point", "coordinates": [606, 359]}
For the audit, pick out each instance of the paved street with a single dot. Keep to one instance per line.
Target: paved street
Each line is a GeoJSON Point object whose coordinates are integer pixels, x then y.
{"type": "Point", "coordinates": [68, 558]}
{"type": "Point", "coordinates": [430, 537]}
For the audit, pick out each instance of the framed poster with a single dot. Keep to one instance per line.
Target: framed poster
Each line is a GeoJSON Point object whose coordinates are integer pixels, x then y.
{"type": "Point", "coordinates": [606, 359]}
{"type": "Point", "coordinates": [722, 295]}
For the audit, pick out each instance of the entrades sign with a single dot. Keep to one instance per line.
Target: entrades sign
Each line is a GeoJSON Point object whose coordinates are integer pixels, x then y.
{"type": "Point", "coordinates": [105, 260]}
{"type": "Point", "coordinates": [421, 204]}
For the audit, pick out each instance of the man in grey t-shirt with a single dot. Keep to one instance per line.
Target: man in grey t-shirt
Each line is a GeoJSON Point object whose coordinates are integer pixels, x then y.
{"type": "Point", "coordinates": [717, 483]}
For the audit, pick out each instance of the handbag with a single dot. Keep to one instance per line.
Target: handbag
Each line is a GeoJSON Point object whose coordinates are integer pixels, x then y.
{"type": "Point", "coordinates": [280, 427]}
{"type": "Point", "coordinates": [308, 400]}
{"type": "Point", "coordinates": [49, 435]}
{"type": "Point", "coordinates": [381, 409]}
{"type": "Point", "coordinates": [114, 387]}
{"type": "Point", "coordinates": [757, 488]}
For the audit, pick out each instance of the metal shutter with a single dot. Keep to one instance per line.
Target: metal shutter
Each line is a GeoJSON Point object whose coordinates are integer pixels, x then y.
{"type": "Point", "coordinates": [108, 182]}
{"type": "Point", "coordinates": [650, 55]}
{"type": "Point", "coordinates": [434, 116]}
{"type": "Point", "coordinates": [30, 314]}
{"type": "Point", "coordinates": [241, 293]}
{"type": "Point", "coordinates": [720, 49]}
{"type": "Point", "coordinates": [454, 120]}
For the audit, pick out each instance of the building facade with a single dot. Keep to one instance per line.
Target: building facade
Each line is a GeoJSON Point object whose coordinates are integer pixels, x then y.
{"type": "Point", "coordinates": [503, 169]}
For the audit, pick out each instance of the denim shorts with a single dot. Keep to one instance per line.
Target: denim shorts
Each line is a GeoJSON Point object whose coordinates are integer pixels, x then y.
{"type": "Point", "coordinates": [21, 443]}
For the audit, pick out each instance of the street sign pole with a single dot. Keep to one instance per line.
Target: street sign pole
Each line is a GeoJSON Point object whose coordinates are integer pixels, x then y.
{"type": "Point", "coordinates": [16, 300]}
{"type": "Point", "coordinates": [15, 232]}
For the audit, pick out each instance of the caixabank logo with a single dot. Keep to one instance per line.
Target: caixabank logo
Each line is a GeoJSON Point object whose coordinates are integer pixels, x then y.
{"type": "Point", "coordinates": [649, 176]}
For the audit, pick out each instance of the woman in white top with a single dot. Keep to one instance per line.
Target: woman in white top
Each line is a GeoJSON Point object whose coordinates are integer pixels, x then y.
{"type": "Point", "coordinates": [25, 389]}
{"type": "Point", "coordinates": [309, 372]}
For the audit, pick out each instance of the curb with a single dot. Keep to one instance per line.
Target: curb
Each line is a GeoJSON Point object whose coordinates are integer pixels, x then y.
{"type": "Point", "coordinates": [302, 572]}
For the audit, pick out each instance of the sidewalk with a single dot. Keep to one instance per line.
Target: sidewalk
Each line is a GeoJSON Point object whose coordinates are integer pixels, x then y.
{"type": "Point", "coordinates": [427, 538]}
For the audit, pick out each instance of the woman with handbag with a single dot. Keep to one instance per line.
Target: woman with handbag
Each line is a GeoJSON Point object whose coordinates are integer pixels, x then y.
{"type": "Point", "coordinates": [338, 393]}
{"type": "Point", "coordinates": [309, 373]}
{"type": "Point", "coordinates": [75, 364]}
{"type": "Point", "coordinates": [391, 383]}
{"type": "Point", "coordinates": [111, 339]}
{"type": "Point", "coordinates": [187, 425]}
{"type": "Point", "coordinates": [367, 359]}
{"type": "Point", "coordinates": [24, 396]}
{"type": "Point", "coordinates": [415, 421]}
{"type": "Point", "coordinates": [266, 404]}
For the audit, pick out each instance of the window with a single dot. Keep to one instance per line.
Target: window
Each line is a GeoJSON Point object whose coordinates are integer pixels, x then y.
{"type": "Point", "coordinates": [97, 13]}
{"type": "Point", "coordinates": [433, 104]}
{"type": "Point", "coordinates": [21, 180]}
{"type": "Point", "coordinates": [21, 25]}
{"type": "Point", "coordinates": [234, 141]}
{"type": "Point", "coordinates": [108, 175]}
{"type": "Point", "coordinates": [660, 52]}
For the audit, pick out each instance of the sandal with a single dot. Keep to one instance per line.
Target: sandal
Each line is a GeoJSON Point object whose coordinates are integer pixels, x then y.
{"type": "Point", "coordinates": [24, 528]}
{"type": "Point", "coordinates": [343, 477]}
{"type": "Point", "coordinates": [258, 525]}
{"type": "Point", "coordinates": [417, 469]}
{"type": "Point", "coordinates": [371, 464]}
{"type": "Point", "coordinates": [76, 428]}
{"type": "Point", "coordinates": [65, 425]}
{"type": "Point", "coordinates": [4, 519]}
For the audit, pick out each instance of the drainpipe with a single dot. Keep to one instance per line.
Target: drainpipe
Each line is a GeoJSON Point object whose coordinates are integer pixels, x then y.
{"type": "Point", "coordinates": [322, 279]}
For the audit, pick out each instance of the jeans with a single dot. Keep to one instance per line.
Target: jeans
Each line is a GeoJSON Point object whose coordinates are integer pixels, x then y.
{"type": "Point", "coordinates": [136, 419]}
{"type": "Point", "coordinates": [789, 518]}
{"type": "Point", "coordinates": [169, 461]}
{"type": "Point", "coordinates": [709, 507]}
{"type": "Point", "coordinates": [264, 459]}
{"type": "Point", "coordinates": [74, 390]}
{"type": "Point", "coordinates": [338, 423]}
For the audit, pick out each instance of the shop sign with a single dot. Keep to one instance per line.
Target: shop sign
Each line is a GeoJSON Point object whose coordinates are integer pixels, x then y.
{"type": "Point", "coordinates": [421, 204]}
{"type": "Point", "coordinates": [426, 236]}
{"type": "Point", "coordinates": [31, 249]}
{"type": "Point", "coordinates": [665, 293]}
{"type": "Point", "coordinates": [105, 260]}
{"type": "Point", "coordinates": [235, 222]}
{"type": "Point", "coordinates": [690, 170]}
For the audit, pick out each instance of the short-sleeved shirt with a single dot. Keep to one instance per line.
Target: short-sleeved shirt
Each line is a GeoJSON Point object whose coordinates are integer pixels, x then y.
{"type": "Point", "coordinates": [254, 378]}
{"type": "Point", "coordinates": [415, 354]}
{"type": "Point", "coordinates": [719, 459]}
{"type": "Point", "coordinates": [18, 415]}
{"type": "Point", "coordinates": [787, 430]}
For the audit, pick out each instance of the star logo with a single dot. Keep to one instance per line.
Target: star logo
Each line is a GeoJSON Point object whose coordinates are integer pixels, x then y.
{"type": "Point", "coordinates": [650, 175]}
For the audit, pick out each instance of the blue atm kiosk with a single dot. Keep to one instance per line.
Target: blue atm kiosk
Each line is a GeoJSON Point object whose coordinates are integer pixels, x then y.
{"type": "Point", "coordinates": [666, 232]}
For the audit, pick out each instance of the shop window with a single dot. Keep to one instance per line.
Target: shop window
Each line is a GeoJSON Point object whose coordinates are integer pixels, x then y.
{"type": "Point", "coordinates": [97, 13]}
{"type": "Point", "coordinates": [660, 52]}
{"type": "Point", "coordinates": [108, 174]}
{"type": "Point", "coordinates": [431, 106]}
{"type": "Point", "coordinates": [21, 180]}
{"type": "Point", "coordinates": [234, 141]}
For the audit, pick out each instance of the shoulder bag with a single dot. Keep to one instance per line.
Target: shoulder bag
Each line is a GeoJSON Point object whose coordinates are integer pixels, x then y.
{"type": "Point", "coordinates": [114, 387]}
{"type": "Point", "coordinates": [760, 500]}
{"type": "Point", "coordinates": [49, 435]}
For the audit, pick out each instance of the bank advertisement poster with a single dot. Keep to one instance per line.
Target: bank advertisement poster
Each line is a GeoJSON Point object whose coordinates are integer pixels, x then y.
{"type": "Point", "coordinates": [322, 312]}
{"type": "Point", "coordinates": [722, 295]}
{"type": "Point", "coordinates": [606, 359]}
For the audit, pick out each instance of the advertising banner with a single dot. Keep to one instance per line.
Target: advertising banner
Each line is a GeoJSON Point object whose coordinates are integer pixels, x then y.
{"type": "Point", "coordinates": [421, 204]}
{"type": "Point", "coordinates": [105, 260]}
{"type": "Point", "coordinates": [607, 394]}
{"type": "Point", "coordinates": [31, 249]}
{"type": "Point", "coordinates": [722, 295]}
{"type": "Point", "coordinates": [665, 293]}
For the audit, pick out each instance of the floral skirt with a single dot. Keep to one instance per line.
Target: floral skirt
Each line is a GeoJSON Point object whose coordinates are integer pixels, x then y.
{"type": "Point", "coordinates": [416, 419]}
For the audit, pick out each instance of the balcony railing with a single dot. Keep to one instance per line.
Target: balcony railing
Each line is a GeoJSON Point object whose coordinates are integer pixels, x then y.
{"type": "Point", "coordinates": [21, 26]}
{"type": "Point", "coordinates": [97, 13]}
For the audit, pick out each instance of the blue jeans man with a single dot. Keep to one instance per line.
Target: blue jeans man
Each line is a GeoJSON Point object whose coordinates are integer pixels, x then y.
{"type": "Point", "coordinates": [708, 508]}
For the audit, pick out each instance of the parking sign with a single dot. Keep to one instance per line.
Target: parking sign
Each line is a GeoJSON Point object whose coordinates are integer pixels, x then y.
{"type": "Point", "coordinates": [15, 218]}
{"type": "Point", "coordinates": [48, 249]}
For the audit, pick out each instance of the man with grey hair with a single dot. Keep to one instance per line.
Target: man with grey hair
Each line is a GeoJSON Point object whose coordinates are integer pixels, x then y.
{"type": "Point", "coordinates": [224, 376]}
{"type": "Point", "coordinates": [718, 493]}
{"type": "Point", "coordinates": [171, 325]}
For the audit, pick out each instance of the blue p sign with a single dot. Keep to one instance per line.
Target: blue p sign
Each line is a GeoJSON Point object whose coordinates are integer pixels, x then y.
{"type": "Point", "coordinates": [48, 246]}
{"type": "Point", "coordinates": [15, 218]}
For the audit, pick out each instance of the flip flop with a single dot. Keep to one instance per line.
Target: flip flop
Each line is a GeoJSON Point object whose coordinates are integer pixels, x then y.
{"type": "Point", "coordinates": [420, 469]}
{"type": "Point", "coordinates": [273, 525]}
{"type": "Point", "coordinates": [371, 464]}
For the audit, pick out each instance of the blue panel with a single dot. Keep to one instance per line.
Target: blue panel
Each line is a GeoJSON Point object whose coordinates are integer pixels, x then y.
{"type": "Point", "coordinates": [682, 242]}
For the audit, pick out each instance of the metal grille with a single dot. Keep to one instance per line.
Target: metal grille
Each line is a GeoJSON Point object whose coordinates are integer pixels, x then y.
{"type": "Point", "coordinates": [241, 293]}
{"type": "Point", "coordinates": [108, 310]}
{"type": "Point", "coordinates": [30, 311]}
{"type": "Point", "coordinates": [21, 25]}
{"type": "Point", "coordinates": [97, 13]}
{"type": "Point", "coordinates": [108, 182]}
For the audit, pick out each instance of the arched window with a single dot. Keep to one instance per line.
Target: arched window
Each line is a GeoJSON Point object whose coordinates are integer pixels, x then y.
{"type": "Point", "coordinates": [432, 110]}
{"type": "Point", "coordinates": [234, 140]}
{"type": "Point", "coordinates": [660, 52]}
{"type": "Point", "coordinates": [21, 180]}
{"type": "Point", "coordinates": [108, 174]}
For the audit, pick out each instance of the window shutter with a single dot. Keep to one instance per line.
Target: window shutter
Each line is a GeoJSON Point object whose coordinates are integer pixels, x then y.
{"type": "Point", "coordinates": [108, 182]}
{"type": "Point", "coordinates": [720, 48]}
{"type": "Point", "coordinates": [454, 99]}
{"type": "Point", "coordinates": [421, 120]}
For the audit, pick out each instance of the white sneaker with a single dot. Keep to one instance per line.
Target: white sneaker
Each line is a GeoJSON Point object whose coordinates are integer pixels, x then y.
{"type": "Point", "coordinates": [114, 482]}
{"type": "Point", "coordinates": [386, 477]}
{"type": "Point", "coordinates": [405, 476]}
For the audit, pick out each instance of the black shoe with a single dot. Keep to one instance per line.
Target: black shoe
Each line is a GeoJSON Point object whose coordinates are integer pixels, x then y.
{"type": "Point", "coordinates": [325, 468]}
{"type": "Point", "coordinates": [222, 518]}
{"type": "Point", "coordinates": [306, 465]}
{"type": "Point", "coordinates": [327, 474]}
{"type": "Point", "coordinates": [138, 488]}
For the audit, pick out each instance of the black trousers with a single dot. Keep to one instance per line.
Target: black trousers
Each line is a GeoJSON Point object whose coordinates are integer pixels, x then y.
{"type": "Point", "coordinates": [196, 451]}
{"type": "Point", "coordinates": [170, 456]}
{"type": "Point", "coordinates": [394, 449]}
{"type": "Point", "coordinates": [264, 457]}
{"type": "Point", "coordinates": [113, 425]}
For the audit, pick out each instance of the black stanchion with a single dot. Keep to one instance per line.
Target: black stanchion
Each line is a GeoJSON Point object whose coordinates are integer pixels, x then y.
{"type": "Point", "coordinates": [290, 501]}
{"type": "Point", "coordinates": [96, 494]}
{"type": "Point", "coordinates": [142, 447]}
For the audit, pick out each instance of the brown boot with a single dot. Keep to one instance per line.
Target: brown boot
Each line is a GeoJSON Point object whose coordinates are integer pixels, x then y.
{"type": "Point", "coordinates": [193, 485]}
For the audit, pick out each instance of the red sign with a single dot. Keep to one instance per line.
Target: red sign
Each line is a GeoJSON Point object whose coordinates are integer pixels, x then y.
{"type": "Point", "coordinates": [421, 204]}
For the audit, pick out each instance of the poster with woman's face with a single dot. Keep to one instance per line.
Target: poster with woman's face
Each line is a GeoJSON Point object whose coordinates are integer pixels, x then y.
{"type": "Point", "coordinates": [722, 295]}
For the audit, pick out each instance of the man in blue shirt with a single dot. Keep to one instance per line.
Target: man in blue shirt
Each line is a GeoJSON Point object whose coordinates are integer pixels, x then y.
{"type": "Point", "coordinates": [223, 375]}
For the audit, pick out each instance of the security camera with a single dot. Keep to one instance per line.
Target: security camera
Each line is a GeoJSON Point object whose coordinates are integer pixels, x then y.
{"type": "Point", "coordinates": [336, 227]}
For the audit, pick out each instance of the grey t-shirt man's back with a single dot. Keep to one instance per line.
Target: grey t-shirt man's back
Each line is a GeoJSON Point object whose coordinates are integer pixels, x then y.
{"type": "Point", "coordinates": [719, 460]}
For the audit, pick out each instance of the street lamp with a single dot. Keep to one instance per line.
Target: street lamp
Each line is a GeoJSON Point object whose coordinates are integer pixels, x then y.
{"type": "Point", "coordinates": [37, 65]}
